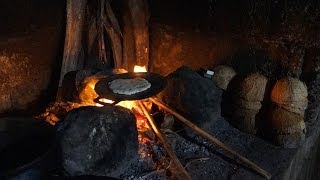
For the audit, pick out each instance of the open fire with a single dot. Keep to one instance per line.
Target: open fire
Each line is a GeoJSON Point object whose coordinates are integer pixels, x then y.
{"type": "Point", "coordinates": [126, 104]}
{"type": "Point", "coordinates": [141, 121]}
{"type": "Point", "coordinates": [148, 134]}
{"type": "Point", "coordinates": [258, 90]}
{"type": "Point", "coordinates": [131, 105]}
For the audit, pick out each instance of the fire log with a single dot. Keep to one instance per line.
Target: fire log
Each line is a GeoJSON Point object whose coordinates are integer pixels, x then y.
{"type": "Point", "coordinates": [233, 155]}
{"type": "Point", "coordinates": [165, 143]}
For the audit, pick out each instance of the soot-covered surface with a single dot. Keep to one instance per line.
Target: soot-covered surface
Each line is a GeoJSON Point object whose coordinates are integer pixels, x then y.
{"type": "Point", "coordinates": [282, 163]}
{"type": "Point", "coordinates": [95, 141]}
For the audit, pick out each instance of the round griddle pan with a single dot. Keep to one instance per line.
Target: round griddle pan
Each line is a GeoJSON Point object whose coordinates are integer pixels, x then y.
{"type": "Point", "coordinates": [157, 82]}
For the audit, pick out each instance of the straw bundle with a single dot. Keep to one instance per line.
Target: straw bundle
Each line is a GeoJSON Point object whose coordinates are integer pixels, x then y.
{"type": "Point", "coordinates": [244, 119]}
{"type": "Point", "coordinates": [287, 128]}
{"type": "Point", "coordinates": [286, 122]}
{"type": "Point", "coordinates": [291, 94]}
{"type": "Point", "coordinates": [289, 140]}
{"type": "Point", "coordinates": [250, 105]}
{"type": "Point", "coordinates": [223, 75]}
{"type": "Point", "coordinates": [246, 102]}
{"type": "Point", "coordinates": [252, 88]}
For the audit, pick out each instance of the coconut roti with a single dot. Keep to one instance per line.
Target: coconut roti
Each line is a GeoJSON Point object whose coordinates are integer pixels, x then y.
{"type": "Point", "coordinates": [129, 86]}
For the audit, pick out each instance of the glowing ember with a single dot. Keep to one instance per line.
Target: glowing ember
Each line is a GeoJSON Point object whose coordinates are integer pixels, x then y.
{"type": "Point", "coordinates": [108, 101]}
{"type": "Point", "coordinates": [127, 104]}
{"type": "Point", "coordinates": [140, 68]}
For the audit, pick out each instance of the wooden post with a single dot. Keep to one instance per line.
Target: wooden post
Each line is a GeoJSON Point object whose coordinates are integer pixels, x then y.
{"type": "Point", "coordinates": [112, 27]}
{"type": "Point", "coordinates": [135, 33]}
{"type": "Point", "coordinates": [72, 59]}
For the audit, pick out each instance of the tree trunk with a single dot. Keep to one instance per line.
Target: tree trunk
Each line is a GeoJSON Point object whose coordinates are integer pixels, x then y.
{"type": "Point", "coordinates": [73, 50]}
{"type": "Point", "coordinates": [135, 33]}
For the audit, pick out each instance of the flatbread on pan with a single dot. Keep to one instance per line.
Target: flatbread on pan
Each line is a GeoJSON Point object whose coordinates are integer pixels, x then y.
{"type": "Point", "coordinates": [129, 86]}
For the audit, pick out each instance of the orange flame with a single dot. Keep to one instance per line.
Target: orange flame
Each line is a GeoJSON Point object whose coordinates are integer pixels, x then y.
{"type": "Point", "coordinates": [139, 69]}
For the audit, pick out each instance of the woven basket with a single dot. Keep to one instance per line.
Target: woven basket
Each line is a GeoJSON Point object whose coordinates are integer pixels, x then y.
{"type": "Point", "coordinates": [251, 105]}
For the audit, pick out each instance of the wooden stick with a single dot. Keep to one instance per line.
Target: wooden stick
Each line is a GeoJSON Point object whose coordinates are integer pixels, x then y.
{"type": "Point", "coordinates": [112, 27]}
{"type": "Point", "coordinates": [234, 155]}
{"type": "Point", "coordinates": [164, 141]}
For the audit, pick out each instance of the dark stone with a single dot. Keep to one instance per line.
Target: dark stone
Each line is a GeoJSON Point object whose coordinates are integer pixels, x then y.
{"type": "Point", "coordinates": [96, 141]}
{"type": "Point", "coordinates": [189, 93]}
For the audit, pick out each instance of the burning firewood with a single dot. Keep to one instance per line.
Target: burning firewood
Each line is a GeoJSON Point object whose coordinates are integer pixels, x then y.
{"type": "Point", "coordinates": [164, 141]}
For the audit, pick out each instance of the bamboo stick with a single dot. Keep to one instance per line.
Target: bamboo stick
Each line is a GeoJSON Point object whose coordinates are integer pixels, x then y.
{"type": "Point", "coordinates": [234, 155]}
{"type": "Point", "coordinates": [164, 141]}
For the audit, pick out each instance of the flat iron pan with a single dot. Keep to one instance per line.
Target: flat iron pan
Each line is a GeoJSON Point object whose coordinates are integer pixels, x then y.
{"type": "Point", "coordinates": [157, 82]}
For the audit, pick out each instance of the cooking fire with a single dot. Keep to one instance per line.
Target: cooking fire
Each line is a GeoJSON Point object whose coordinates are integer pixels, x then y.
{"type": "Point", "coordinates": [159, 89]}
{"type": "Point", "coordinates": [135, 91]}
